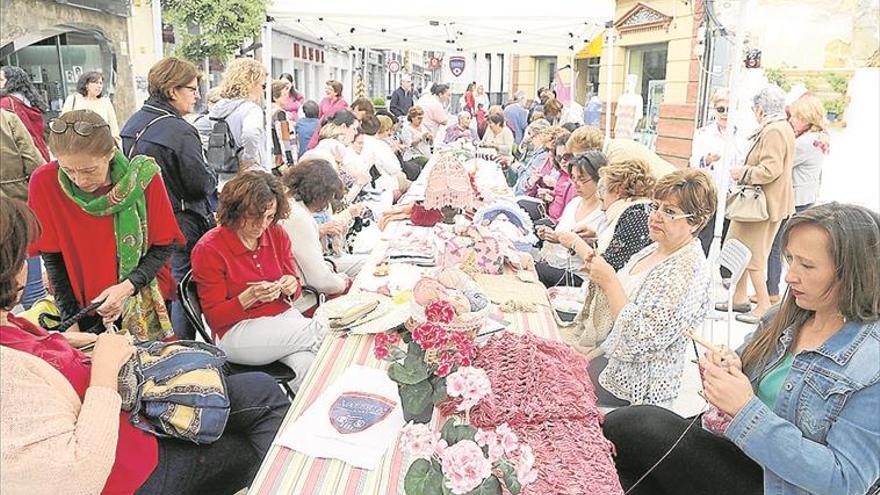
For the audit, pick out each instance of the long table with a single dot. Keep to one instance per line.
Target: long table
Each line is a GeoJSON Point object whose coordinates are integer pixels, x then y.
{"type": "Point", "coordinates": [285, 471]}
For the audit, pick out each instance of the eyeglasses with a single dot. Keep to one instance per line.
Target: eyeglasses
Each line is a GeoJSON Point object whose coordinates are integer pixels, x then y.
{"type": "Point", "coordinates": [194, 89]}
{"type": "Point", "coordinates": [84, 129]}
{"type": "Point", "coordinates": [721, 109]}
{"type": "Point", "coordinates": [666, 213]}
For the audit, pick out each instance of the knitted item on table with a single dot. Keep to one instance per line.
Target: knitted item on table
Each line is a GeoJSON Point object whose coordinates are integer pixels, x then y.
{"type": "Point", "coordinates": [449, 185]}
{"type": "Point", "coordinates": [542, 390]}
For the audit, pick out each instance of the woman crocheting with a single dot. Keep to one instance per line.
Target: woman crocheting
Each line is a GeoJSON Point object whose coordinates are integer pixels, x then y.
{"type": "Point", "coordinates": [61, 422]}
{"type": "Point", "coordinates": [108, 228]}
{"type": "Point", "coordinates": [645, 307]}
{"type": "Point", "coordinates": [246, 278]}
{"type": "Point", "coordinates": [795, 409]}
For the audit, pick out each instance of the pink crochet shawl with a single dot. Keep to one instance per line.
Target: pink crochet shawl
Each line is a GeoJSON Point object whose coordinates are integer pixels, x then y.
{"type": "Point", "coordinates": [542, 390]}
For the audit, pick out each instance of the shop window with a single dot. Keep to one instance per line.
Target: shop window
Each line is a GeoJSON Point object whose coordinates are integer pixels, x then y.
{"type": "Point", "coordinates": [648, 63]}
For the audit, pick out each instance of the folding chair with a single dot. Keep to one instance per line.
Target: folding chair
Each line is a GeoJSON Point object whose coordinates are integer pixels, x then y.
{"type": "Point", "coordinates": [189, 299]}
{"type": "Point", "coordinates": [734, 256]}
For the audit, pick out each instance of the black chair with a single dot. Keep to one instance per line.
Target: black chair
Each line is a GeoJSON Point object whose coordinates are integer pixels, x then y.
{"type": "Point", "coordinates": [189, 299]}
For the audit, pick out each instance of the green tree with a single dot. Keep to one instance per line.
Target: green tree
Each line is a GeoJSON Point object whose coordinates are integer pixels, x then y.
{"type": "Point", "coordinates": [212, 28]}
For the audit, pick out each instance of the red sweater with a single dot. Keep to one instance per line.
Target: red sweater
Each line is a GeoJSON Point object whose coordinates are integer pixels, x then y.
{"type": "Point", "coordinates": [32, 119]}
{"type": "Point", "coordinates": [223, 268]}
{"type": "Point", "coordinates": [88, 243]}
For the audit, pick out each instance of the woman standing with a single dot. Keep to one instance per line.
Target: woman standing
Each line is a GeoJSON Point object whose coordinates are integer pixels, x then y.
{"type": "Point", "coordinates": [89, 95]}
{"type": "Point", "coordinates": [296, 100]}
{"type": "Point", "coordinates": [434, 107]}
{"type": "Point", "coordinates": [108, 228]}
{"type": "Point", "coordinates": [241, 105]}
{"type": "Point", "coordinates": [333, 100]}
{"type": "Point", "coordinates": [19, 96]}
{"type": "Point", "coordinates": [480, 97]}
{"type": "Point", "coordinates": [282, 148]}
{"type": "Point", "coordinates": [20, 158]}
{"type": "Point", "coordinates": [158, 130]}
{"type": "Point", "coordinates": [807, 118]}
{"type": "Point", "coordinates": [795, 408]}
{"type": "Point", "coordinates": [768, 164]}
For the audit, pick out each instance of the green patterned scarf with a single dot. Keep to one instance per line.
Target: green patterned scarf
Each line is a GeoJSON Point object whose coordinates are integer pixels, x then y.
{"type": "Point", "coordinates": [144, 315]}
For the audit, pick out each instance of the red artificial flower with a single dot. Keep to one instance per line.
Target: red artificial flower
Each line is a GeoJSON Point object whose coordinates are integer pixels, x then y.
{"type": "Point", "coordinates": [393, 338]}
{"type": "Point", "coordinates": [440, 312]}
{"type": "Point", "coordinates": [443, 370]}
{"type": "Point", "coordinates": [381, 352]}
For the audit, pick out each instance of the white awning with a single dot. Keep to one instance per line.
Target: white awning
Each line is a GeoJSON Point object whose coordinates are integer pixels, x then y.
{"type": "Point", "coordinates": [526, 28]}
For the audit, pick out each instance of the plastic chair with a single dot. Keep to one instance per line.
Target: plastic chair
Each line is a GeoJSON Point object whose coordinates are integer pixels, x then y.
{"type": "Point", "coordinates": [734, 256]}
{"type": "Point", "coordinates": [192, 307]}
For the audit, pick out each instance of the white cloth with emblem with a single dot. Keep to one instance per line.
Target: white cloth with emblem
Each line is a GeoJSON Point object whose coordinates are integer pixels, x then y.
{"type": "Point", "coordinates": [355, 420]}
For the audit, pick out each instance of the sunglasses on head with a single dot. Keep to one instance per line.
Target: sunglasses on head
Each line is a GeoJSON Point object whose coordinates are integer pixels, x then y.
{"type": "Point", "coordinates": [84, 129]}
{"type": "Point", "coordinates": [721, 109]}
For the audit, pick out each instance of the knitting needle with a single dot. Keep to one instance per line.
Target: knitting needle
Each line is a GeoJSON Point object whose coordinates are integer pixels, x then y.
{"type": "Point", "coordinates": [704, 342]}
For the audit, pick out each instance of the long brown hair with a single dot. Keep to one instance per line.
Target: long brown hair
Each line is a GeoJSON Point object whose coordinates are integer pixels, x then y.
{"type": "Point", "coordinates": [855, 247]}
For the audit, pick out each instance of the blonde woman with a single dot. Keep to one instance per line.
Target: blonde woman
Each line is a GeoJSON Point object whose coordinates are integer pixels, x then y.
{"type": "Point", "coordinates": [240, 106]}
{"type": "Point", "coordinates": [807, 119]}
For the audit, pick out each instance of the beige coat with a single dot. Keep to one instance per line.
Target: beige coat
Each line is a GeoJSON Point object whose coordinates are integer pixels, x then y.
{"type": "Point", "coordinates": [769, 163]}
{"type": "Point", "coordinates": [18, 156]}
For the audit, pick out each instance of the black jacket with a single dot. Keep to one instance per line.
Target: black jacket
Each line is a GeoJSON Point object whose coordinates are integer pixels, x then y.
{"type": "Point", "coordinates": [401, 102]}
{"type": "Point", "coordinates": [177, 148]}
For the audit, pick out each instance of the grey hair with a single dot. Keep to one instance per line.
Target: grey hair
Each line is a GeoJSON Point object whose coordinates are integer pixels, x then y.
{"type": "Point", "coordinates": [770, 99]}
{"type": "Point", "coordinates": [518, 96]}
{"type": "Point", "coordinates": [720, 94]}
{"type": "Point", "coordinates": [463, 114]}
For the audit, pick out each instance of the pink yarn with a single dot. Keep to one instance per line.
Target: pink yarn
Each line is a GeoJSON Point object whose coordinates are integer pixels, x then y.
{"type": "Point", "coordinates": [542, 390]}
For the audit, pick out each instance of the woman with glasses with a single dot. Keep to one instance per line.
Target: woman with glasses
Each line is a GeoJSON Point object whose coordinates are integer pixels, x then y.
{"type": "Point", "coordinates": [708, 149]}
{"type": "Point", "coordinates": [768, 164]}
{"type": "Point", "coordinates": [108, 229]}
{"type": "Point", "coordinates": [648, 304]}
{"type": "Point", "coordinates": [582, 214]}
{"type": "Point", "coordinates": [241, 106]}
{"type": "Point", "coordinates": [159, 130]}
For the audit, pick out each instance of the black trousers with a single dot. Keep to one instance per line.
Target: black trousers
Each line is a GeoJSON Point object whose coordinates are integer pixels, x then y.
{"type": "Point", "coordinates": [702, 463]}
{"type": "Point", "coordinates": [257, 408]}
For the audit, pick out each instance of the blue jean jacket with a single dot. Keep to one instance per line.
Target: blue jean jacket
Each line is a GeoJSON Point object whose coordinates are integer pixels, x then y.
{"type": "Point", "coordinates": [823, 434]}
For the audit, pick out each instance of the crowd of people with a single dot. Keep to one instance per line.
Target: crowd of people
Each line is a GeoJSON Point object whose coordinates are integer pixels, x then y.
{"type": "Point", "coordinates": [119, 216]}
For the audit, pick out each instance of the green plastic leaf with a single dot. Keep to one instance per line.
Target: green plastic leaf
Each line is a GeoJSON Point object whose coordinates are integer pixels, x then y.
{"type": "Point", "coordinates": [510, 479]}
{"type": "Point", "coordinates": [453, 433]}
{"type": "Point", "coordinates": [439, 385]}
{"type": "Point", "coordinates": [416, 351]}
{"type": "Point", "coordinates": [416, 398]}
{"type": "Point", "coordinates": [489, 486]}
{"type": "Point", "coordinates": [408, 375]}
{"type": "Point", "coordinates": [423, 478]}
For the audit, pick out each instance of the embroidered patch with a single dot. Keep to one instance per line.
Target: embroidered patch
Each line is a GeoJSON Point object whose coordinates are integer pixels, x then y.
{"type": "Point", "coordinates": [354, 412]}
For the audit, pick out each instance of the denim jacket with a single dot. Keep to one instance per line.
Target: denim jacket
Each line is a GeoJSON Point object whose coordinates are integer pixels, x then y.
{"type": "Point", "coordinates": [823, 434]}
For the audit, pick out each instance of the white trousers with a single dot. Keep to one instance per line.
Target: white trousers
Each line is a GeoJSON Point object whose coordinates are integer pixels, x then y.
{"type": "Point", "coordinates": [288, 337]}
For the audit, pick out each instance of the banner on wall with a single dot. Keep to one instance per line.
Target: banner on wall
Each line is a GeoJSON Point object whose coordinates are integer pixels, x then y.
{"type": "Point", "coordinates": [457, 64]}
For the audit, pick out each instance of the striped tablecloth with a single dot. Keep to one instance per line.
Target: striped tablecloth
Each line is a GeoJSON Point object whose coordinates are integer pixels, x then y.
{"type": "Point", "coordinates": [285, 471]}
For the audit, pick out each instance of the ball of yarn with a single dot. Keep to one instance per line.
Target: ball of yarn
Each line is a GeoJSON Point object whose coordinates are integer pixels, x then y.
{"type": "Point", "coordinates": [428, 290]}
{"type": "Point", "coordinates": [460, 303]}
{"type": "Point", "coordinates": [477, 299]}
{"type": "Point", "coordinates": [453, 278]}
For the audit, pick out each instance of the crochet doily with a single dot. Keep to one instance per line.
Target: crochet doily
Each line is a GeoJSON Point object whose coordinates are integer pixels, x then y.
{"type": "Point", "coordinates": [542, 390]}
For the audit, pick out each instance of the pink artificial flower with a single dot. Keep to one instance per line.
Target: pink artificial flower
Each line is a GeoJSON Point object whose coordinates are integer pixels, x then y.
{"type": "Point", "coordinates": [440, 312]}
{"type": "Point", "coordinates": [443, 370]}
{"type": "Point", "coordinates": [381, 339]}
{"type": "Point", "coordinates": [469, 383]}
{"type": "Point", "coordinates": [419, 440]}
{"type": "Point", "coordinates": [525, 466]}
{"type": "Point", "coordinates": [464, 466]}
{"type": "Point", "coordinates": [393, 338]}
{"type": "Point", "coordinates": [507, 438]}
